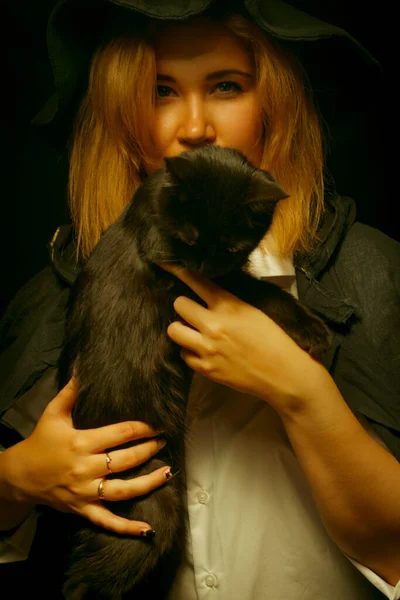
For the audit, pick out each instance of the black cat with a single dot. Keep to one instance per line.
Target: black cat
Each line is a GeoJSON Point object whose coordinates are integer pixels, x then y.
{"type": "Point", "coordinates": [207, 210]}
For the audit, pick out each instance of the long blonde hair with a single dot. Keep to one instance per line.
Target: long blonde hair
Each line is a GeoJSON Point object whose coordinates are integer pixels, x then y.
{"type": "Point", "coordinates": [111, 137]}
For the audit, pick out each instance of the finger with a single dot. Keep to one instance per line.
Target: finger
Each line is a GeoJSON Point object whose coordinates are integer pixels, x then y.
{"type": "Point", "coordinates": [191, 312]}
{"type": "Point", "coordinates": [193, 361]}
{"type": "Point", "coordinates": [102, 517]}
{"type": "Point", "coordinates": [115, 490]}
{"type": "Point", "coordinates": [66, 398]}
{"type": "Point", "coordinates": [186, 337]}
{"type": "Point", "coordinates": [209, 291]}
{"type": "Point", "coordinates": [128, 458]}
{"type": "Point", "coordinates": [103, 438]}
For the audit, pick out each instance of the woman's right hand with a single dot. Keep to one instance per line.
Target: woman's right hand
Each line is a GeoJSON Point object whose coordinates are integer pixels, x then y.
{"type": "Point", "coordinates": [62, 467]}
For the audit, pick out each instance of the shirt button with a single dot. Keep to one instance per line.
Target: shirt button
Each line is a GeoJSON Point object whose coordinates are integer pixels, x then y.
{"type": "Point", "coordinates": [211, 580]}
{"type": "Point", "coordinates": [203, 497]}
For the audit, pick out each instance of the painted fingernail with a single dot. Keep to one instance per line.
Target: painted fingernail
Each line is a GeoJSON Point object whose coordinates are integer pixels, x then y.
{"type": "Point", "coordinates": [149, 533]}
{"type": "Point", "coordinates": [168, 474]}
{"type": "Point", "coordinates": [161, 444]}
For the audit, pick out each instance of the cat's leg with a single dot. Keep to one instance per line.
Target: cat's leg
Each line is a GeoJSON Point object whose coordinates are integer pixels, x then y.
{"type": "Point", "coordinates": [308, 330]}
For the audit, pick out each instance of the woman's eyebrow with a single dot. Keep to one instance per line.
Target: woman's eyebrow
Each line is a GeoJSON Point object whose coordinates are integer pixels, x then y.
{"type": "Point", "coordinates": [210, 76]}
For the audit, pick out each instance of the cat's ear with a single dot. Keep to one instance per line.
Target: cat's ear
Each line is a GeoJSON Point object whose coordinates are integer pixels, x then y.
{"type": "Point", "coordinates": [265, 188]}
{"type": "Point", "coordinates": [179, 167]}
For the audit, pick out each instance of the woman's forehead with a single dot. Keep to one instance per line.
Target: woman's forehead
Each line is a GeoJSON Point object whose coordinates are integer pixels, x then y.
{"type": "Point", "coordinates": [198, 39]}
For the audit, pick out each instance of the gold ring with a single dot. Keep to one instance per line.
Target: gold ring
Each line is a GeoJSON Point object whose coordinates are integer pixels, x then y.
{"type": "Point", "coordinates": [108, 460]}
{"type": "Point", "coordinates": [100, 489]}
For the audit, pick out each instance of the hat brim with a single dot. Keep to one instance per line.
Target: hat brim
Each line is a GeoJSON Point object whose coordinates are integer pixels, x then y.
{"type": "Point", "coordinates": [76, 28]}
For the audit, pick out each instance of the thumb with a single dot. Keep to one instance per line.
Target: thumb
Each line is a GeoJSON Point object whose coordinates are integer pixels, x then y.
{"type": "Point", "coordinates": [65, 400]}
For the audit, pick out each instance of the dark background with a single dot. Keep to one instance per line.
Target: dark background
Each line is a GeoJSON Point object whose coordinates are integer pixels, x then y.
{"type": "Point", "coordinates": [35, 165]}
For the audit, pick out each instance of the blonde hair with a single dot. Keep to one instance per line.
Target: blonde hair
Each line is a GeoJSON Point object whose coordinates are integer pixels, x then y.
{"type": "Point", "coordinates": [111, 140]}
{"type": "Point", "coordinates": [293, 147]}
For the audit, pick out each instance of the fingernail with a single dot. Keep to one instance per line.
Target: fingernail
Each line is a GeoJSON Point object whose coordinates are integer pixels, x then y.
{"type": "Point", "coordinates": [168, 474]}
{"type": "Point", "coordinates": [161, 444]}
{"type": "Point", "coordinates": [149, 533]}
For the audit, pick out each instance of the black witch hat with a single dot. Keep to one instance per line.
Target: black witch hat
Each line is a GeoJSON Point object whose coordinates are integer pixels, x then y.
{"type": "Point", "coordinates": [77, 27]}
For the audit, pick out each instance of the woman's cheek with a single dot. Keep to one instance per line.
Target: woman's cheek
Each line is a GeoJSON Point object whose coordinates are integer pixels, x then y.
{"type": "Point", "coordinates": [165, 121]}
{"type": "Point", "coordinates": [162, 135]}
{"type": "Point", "coordinates": [241, 127]}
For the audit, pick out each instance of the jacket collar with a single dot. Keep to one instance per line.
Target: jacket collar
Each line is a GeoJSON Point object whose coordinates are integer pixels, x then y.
{"type": "Point", "coordinates": [62, 249]}
{"type": "Point", "coordinates": [339, 216]}
{"type": "Point", "coordinates": [320, 293]}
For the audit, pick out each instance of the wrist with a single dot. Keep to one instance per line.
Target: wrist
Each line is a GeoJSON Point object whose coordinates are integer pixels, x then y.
{"type": "Point", "coordinates": [300, 388]}
{"type": "Point", "coordinates": [14, 502]}
{"type": "Point", "coordinates": [12, 479]}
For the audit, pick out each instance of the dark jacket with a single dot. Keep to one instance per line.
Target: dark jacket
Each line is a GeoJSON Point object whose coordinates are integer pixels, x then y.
{"type": "Point", "coordinates": [352, 279]}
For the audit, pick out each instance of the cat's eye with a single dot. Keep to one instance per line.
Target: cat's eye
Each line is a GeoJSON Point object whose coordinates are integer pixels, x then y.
{"type": "Point", "coordinates": [233, 249]}
{"type": "Point", "coordinates": [191, 242]}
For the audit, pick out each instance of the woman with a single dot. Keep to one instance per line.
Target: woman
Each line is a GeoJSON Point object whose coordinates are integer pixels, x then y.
{"type": "Point", "coordinates": [280, 502]}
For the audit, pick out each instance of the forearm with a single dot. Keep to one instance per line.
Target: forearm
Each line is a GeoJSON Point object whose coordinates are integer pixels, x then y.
{"type": "Point", "coordinates": [13, 507]}
{"type": "Point", "coordinates": [355, 482]}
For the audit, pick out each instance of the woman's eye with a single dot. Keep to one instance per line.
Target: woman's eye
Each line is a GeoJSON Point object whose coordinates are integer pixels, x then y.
{"type": "Point", "coordinates": [163, 91]}
{"type": "Point", "coordinates": [228, 87]}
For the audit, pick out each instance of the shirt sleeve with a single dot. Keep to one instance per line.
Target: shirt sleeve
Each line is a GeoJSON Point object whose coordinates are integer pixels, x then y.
{"type": "Point", "coordinates": [390, 591]}
{"type": "Point", "coordinates": [17, 545]}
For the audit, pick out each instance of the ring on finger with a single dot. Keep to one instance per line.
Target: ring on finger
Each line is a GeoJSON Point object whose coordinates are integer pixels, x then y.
{"type": "Point", "coordinates": [108, 461]}
{"type": "Point", "coordinates": [101, 489]}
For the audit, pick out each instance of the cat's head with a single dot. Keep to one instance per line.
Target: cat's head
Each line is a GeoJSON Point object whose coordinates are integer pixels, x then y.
{"type": "Point", "coordinates": [216, 207]}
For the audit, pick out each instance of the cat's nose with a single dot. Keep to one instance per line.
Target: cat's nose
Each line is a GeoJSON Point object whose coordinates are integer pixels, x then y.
{"type": "Point", "coordinates": [208, 270]}
{"type": "Point", "coordinates": [201, 267]}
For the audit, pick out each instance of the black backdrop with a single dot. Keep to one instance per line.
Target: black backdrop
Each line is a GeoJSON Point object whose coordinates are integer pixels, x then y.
{"type": "Point", "coordinates": [35, 165]}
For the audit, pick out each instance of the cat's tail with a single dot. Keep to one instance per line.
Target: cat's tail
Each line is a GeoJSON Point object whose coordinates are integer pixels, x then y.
{"type": "Point", "coordinates": [107, 565]}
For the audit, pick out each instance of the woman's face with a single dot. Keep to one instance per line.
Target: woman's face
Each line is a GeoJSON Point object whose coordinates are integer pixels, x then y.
{"type": "Point", "coordinates": [206, 92]}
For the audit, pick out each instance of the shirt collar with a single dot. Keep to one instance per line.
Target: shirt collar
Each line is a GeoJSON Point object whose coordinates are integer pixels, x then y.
{"type": "Point", "coordinates": [265, 264]}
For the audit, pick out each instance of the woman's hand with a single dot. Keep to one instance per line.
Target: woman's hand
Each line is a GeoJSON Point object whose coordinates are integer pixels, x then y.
{"type": "Point", "coordinates": [62, 467]}
{"type": "Point", "coordinates": [237, 345]}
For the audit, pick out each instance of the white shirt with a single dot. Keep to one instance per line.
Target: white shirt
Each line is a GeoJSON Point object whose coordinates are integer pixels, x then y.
{"type": "Point", "coordinates": [254, 530]}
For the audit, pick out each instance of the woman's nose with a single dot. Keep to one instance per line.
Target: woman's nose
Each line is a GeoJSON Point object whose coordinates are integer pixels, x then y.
{"type": "Point", "coordinates": [196, 127]}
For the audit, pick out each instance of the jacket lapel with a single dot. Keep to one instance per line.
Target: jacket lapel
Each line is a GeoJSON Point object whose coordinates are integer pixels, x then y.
{"type": "Point", "coordinates": [317, 287]}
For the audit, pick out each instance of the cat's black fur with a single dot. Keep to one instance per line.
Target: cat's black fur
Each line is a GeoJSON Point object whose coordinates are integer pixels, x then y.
{"type": "Point", "coordinates": [208, 209]}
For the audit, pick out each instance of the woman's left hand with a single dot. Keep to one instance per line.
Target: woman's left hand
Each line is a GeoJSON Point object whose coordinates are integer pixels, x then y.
{"type": "Point", "coordinates": [235, 344]}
